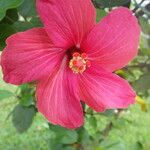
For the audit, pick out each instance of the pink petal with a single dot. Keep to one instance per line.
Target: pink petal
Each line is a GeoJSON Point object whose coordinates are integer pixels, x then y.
{"type": "Point", "coordinates": [102, 90]}
{"type": "Point", "coordinates": [29, 56]}
{"type": "Point", "coordinates": [67, 21]}
{"type": "Point", "coordinates": [58, 100]}
{"type": "Point", "coordinates": [114, 41]}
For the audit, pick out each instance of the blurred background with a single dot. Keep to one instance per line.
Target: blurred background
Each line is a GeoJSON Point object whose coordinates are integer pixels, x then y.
{"type": "Point", "coordinates": [22, 128]}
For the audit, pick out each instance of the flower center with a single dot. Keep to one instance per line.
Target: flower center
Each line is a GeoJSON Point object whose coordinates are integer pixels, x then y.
{"type": "Point", "coordinates": [79, 62]}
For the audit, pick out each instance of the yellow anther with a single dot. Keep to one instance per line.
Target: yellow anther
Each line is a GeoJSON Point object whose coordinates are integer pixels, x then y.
{"type": "Point", "coordinates": [79, 63]}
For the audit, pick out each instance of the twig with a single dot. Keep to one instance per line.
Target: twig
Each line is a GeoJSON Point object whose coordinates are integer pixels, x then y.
{"type": "Point", "coordinates": [137, 6]}
{"type": "Point", "coordinates": [107, 129]}
{"type": "Point", "coordinates": [142, 12]}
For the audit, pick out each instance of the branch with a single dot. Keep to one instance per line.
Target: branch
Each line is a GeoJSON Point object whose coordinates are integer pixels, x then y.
{"type": "Point", "coordinates": [144, 10]}
{"type": "Point", "coordinates": [137, 6]}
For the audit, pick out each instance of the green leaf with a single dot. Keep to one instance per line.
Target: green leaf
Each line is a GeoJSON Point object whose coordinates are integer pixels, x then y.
{"type": "Point", "coordinates": [93, 121]}
{"type": "Point", "coordinates": [8, 4]}
{"type": "Point", "coordinates": [100, 14]}
{"type": "Point", "coordinates": [11, 16]}
{"type": "Point", "coordinates": [111, 3]}
{"type": "Point", "coordinates": [63, 135]}
{"type": "Point", "coordinates": [27, 100]}
{"type": "Point", "coordinates": [145, 42]}
{"type": "Point", "coordinates": [5, 31]}
{"type": "Point", "coordinates": [119, 123]}
{"type": "Point", "coordinates": [83, 135]}
{"type": "Point", "coordinates": [69, 137]}
{"type": "Point", "coordinates": [27, 9]}
{"type": "Point", "coordinates": [137, 146]}
{"type": "Point", "coordinates": [145, 51]}
{"type": "Point", "coordinates": [108, 113]}
{"type": "Point", "coordinates": [144, 22]}
{"type": "Point", "coordinates": [69, 148]}
{"type": "Point", "coordinates": [27, 95]}
{"type": "Point", "coordinates": [143, 83]}
{"type": "Point", "coordinates": [5, 94]}
{"type": "Point", "coordinates": [25, 25]}
{"type": "Point", "coordinates": [113, 145]}
{"type": "Point", "coordinates": [22, 117]}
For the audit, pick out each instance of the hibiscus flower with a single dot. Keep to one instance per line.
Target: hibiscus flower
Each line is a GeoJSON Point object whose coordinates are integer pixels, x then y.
{"type": "Point", "coordinates": [72, 59]}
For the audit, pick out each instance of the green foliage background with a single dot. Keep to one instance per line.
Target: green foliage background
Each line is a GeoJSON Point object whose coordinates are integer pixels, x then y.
{"type": "Point", "coordinates": [22, 128]}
